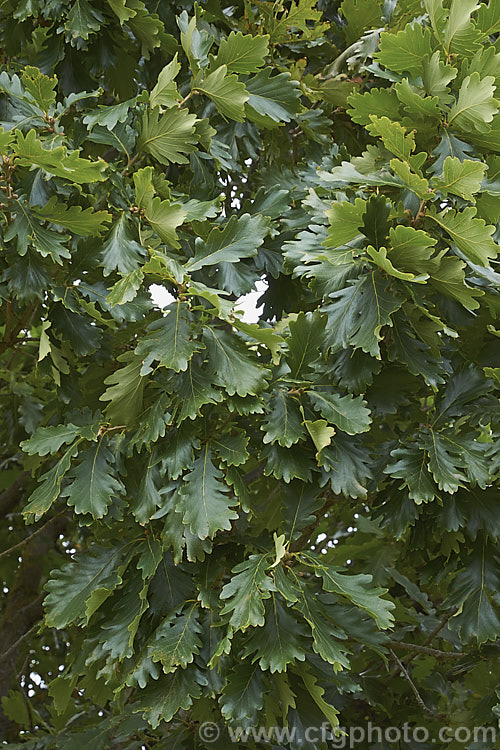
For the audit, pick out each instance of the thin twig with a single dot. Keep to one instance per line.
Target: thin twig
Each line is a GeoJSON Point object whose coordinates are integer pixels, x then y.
{"type": "Point", "coordinates": [28, 539]}
{"type": "Point", "coordinates": [130, 163]}
{"type": "Point", "coordinates": [12, 648]}
{"type": "Point", "coordinates": [415, 647]}
{"type": "Point", "coordinates": [428, 640]}
{"type": "Point", "coordinates": [417, 695]}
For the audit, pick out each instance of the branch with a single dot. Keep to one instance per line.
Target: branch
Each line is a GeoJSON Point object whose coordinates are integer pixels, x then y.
{"type": "Point", "coordinates": [428, 640]}
{"type": "Point", "coordinates": [5, 654]}
{"type": "Point", "coordinates": [426, 650]}
{"type": "Point", "coordinates": [10, 336]}
{"type": "Point", "coordinates": [28, 539]}
{"type": "Point", "coordinates": [254, 474]}
{"type": "Point", "coordinates": [417, 695]}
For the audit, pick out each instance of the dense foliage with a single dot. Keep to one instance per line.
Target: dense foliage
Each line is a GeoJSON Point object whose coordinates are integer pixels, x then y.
{"type": "Point", "coordinates": [280, 523]}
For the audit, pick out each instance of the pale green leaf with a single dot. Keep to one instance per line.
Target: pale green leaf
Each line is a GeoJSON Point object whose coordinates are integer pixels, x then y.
{"type": "Point", "coordinates": [242, 53]}
{"type": "Point", "coordinates": [476, 105]}
{"type": "Point", "coordinates": [168, 137]}
{"type": "Point", "coordinates": [165, 93]}
{"type": "Point", "coordinates": [227, 93]}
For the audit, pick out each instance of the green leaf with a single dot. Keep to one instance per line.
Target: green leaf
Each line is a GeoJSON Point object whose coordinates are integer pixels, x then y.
{"type": "Point", "coordinates": [417, 105]}
{"type": "Point", "coordinates": [164, 218]}
{"type": "Point", "coordinates": [120, 628]}
{"type": "Point", "coordinates": [471, 235]}
{"type": "Point", "coordinates": [144, 496]}
{"type": "Point", "coordinates": [346, 220]}
{"type": "Point", "coordinates": [124, 391]}
{"type": "Point", "coordinates": [447, 276]}
{"type": "Point", "coordinates": [150, 557]}
{"type": "Point", "coordinates": [396, 139]}
{"type": "Point", "coordinates": [473, 590]}
{"type": "Point", "coordinates": [360, 311]}
{"type": "Point", "coordinates": [168, 340]}
{"type": "Point", "coordinates": [327, 636]}
{"type": "Point", "coordinates": [196, 42]}
{"type": "Point", "coordinates": [194, 391]}
{"type": "Point", "coordinates": [360, 16]}
{"type": "Point", "coordinates": [57, 161]}
{"type": "Point", "coordinates": [47, 492]}
{"type": "Point", "coordinates": [476, 105]}
{"type": "Point", "coordinates": [204, 499]}
{"type": "Point", "coordinates": [82, 20]}
{"type": "Point", "coordinates": [243, 694]}
{"type": "Point", "coordinates": [403, 52]}
{"type": "Point", "coordinates": [463, 387]}
{"type": "Point", "coordinates": [418, 185]}
{"type": "Point", "coordinates": [488, 18]}
{"type": "Point", "coordinates": [410, 465]}
{"type": "Point", "coordinates": [226, 92]}
{"type": "Point", "coordinates": [297, 17]}
{"type": "Point", "coordinates": [348, 413]}
{"type": "Point", "coordinates": [230, 364]}
{"type": "Point", "coordinates": [284, 423]}
{"type": "Point", "coordinates": [126, 289]}
{"type": "Point", "coordinates": [238, 238]}
{"type": "Point", "coordinates": [279, 642]}
{"type": "Point", "coordinates": [40, 87]}
{"type": "Point", "coordinates": [321, 434]}
{"type": "Point", "coordinates": [94, 484]}
{"type": "Point", "coordinates": [246, 590]}
{"type": "Point", "coordinates": [443, 465]}
{"type": "Point", "coordinates": [461, 178]}
{"type": "Point", "coordinates": [356, 588]}
{"type": "Point", "coordinates": [413, 352]}
{"type": "Point", "coordinates": [317, 692]}
{"type": "Point", "coordinates": [120, 251]}
{"type": "Point", "coordinates": [232, 449]}
{"type": "Point", "coordinates": [169, 136]}
{"type": "Point", "coordinates": [380, 259]}
{"type": "Point", "coordinates": [50, 439]}
{"type": "Point", "coordinates": [272, 99]}
{"type": "Point", "coordinates": [378, 102]}
{"type": "Point", "coordinates": [347, 465]}
{"type": "Point", "coordinates": [460, 36]}
{"type": "Point", "coordinates": [29, 231]}
{"type": "Point", "coordinates": [80, 587]}
{"type": "Point", "coordinates": [15, 708]}
{"type": "Point", "coordinates": [411, 249]}
{"type": "Point", "coordinates": [436, 77]}
{"type": "Point", "coordinates": [305, 342]}
{"type": "Point", "coordinates": [165, 93]}
{"type": "Point", "coordinates": [84, 222]}
{"type": "Point", "coordinates": [266, 336]}
{"type": "Point", "coordinates": [143, 187]}
{"type": "Point", "coordinates": [375, 220]}
{"type": "Point", "coordinates": [242, 53]}
{"type": "Point", "coordinates": [177, 640]}
{"type": "Point", "coordinates": [5, 141]}
{"type": "Point", "coordinates": [161, 700]}
{"type": "Point", "coordinates": [109, 116]}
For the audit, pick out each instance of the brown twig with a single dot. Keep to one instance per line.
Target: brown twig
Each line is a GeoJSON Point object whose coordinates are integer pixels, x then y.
{"type": "Point", "coordinates": [5, 654]}
{"type": "Point", "coordinates": [415, 647]}
{"type": "Point", "coordinates": [428, 640]}
{"type": "Point", "coordinates": [10, 337]}
{"type": "Point", "coordinates": [417, 695]}
{"type": "Point", "coordinates": [28, 539]}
